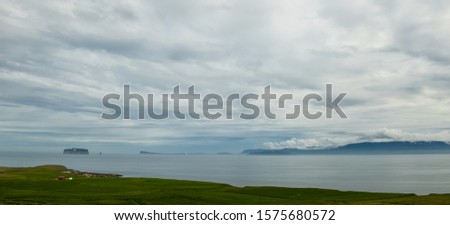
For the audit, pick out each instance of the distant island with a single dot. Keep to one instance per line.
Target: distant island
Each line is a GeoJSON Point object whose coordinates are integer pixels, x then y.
{"type": "Point", "coordinates": [393, 147]}
{"type": "Point", "coordinates": [181, 153]}
{"type": "Point", "coordinates": [149, 153]}
{"type": "Point", "coordinates": [76, 151]}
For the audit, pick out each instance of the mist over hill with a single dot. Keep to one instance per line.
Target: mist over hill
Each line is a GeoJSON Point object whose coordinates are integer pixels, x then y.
{"type": "Point", "coordinates": [392, 147]}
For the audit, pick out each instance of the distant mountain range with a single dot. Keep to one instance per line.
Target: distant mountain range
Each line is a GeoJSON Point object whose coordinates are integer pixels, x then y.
{"type": "Point", "coordinates": [393, 147]}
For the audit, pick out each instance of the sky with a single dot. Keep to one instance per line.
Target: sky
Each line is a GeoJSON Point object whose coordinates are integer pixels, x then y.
{"type": "Point", "coordinates": [58, 59]}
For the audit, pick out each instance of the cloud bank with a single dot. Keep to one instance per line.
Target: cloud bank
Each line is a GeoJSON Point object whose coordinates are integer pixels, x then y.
{"type": "Point", "coordinates": [383, 135]}
{"type": "Point", "coordinates": [58, 59]}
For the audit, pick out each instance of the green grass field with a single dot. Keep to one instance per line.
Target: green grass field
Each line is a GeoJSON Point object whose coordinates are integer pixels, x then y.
{"type": "Point", "coordinates": [39, 185]}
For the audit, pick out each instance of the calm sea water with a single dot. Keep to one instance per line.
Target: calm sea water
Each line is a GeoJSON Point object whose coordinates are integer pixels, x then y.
{"type": "Point", "coordinates": [421, 174]}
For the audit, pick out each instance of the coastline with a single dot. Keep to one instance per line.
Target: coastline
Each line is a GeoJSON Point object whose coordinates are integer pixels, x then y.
{"type": "Point", "coordinates": [92, 174]}
{"type": "Point", "coordinates": [40, 185]}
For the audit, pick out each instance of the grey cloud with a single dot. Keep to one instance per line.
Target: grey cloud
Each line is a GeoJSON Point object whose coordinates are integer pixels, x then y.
{"type": "Point", "coordinates": [58, 60]}
{"type": "Point", "coordinates": [347, 14]}
{"type": "Point", "coordinates": [22, 94]}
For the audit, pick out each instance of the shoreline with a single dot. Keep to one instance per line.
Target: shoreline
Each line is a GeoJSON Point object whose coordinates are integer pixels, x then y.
{"type": "Point", "coordinates": [92, 174]}
{"type": "Point", "coordinates": [41, 185]}
{"type": "Point", "coordinates": [88, 174]}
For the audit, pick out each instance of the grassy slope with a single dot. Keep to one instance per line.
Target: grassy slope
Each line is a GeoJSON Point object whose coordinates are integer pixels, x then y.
{"type": "Point", "coordinates": [38, 185]}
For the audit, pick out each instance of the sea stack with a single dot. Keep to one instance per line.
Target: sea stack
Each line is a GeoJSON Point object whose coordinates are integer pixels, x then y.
{"type": "Point", "coordinates": [76, 151]}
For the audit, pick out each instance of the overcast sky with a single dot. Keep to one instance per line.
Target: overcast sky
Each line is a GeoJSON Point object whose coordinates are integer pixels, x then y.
{"type": "Point", "coordinates": [59, 58]}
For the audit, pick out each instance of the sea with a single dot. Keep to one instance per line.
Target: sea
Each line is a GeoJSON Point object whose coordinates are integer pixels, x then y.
{"type": "Point", "coordinates": [419, 174]}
